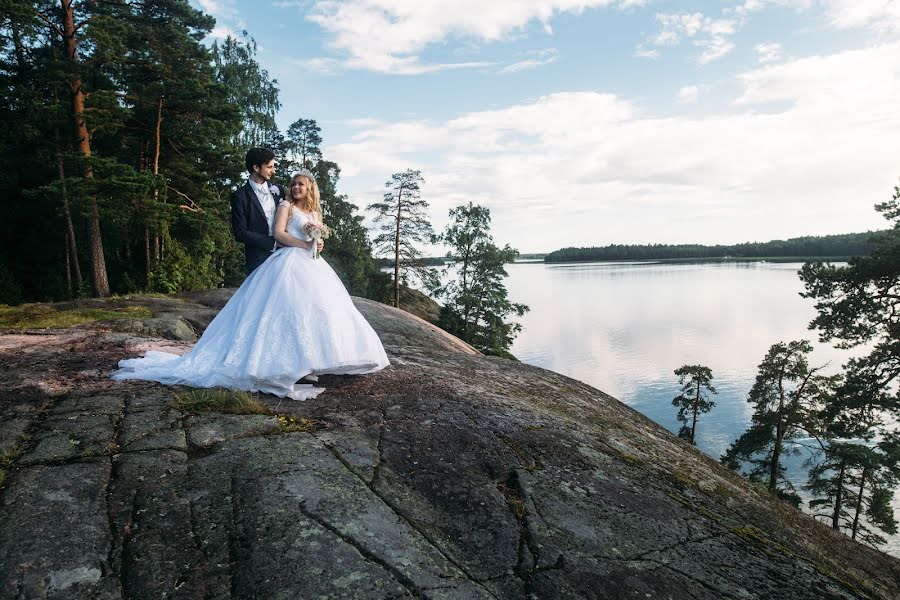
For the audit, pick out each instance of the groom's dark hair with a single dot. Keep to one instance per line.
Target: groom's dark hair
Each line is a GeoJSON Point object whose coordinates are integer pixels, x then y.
{"type": "Point", "coordinates": [257, 156]}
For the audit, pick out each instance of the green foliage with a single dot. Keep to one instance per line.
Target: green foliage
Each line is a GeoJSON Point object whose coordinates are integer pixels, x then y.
{"type": "Point", "coordinates": [10, 292]}
{"type": "Point", "coordinates": [786, 396]}
{"type": "Point", "coordinates": [165, 115]}
{"type": "Point", "coordinates": [477, 308]}
{"type": "Point", "coordinates": [305, 141]}
{"type": "Point", "coordinates": [348, 251]}
{"type": "Point", "coordinates": [857, 306]}
{"type": "Point", "coordinates": [247, 86]}
{"type": "Point", "coordinates": [845, 245]}
{"type": "Point", "coordinates": [853, 480]}
{"type": "Point", "coordinates": [696, 386]}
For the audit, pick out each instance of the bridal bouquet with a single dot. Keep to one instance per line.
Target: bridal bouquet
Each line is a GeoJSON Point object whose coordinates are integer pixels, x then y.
{"type": "Point", "coordinates": [317, 231]}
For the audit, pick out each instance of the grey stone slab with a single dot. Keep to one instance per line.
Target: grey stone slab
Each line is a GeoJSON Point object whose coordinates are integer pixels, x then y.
{"type": "Point", "coordinates": [155, 400]}
{"type": "Point", "coordinates": [11, 432]}
{"type": "Point", "coordinates": [294, 478]}
{"type": "Point", "coordinates": [168, 326]}
{"type": "Point", "coordinates": [358, 449]}
{"type": "Point", "coordinates": [54, 533]}
{"type": "Point", "coordinates": [207, 429]}
{"type": "Point", "coordinates": [154, 541]}
{"type": "Point", "coordinates": [155, 428]}
{"type": "Point", "coordinates": [72, 436]}
{"type": "Point", "coordinates": [104, 404]}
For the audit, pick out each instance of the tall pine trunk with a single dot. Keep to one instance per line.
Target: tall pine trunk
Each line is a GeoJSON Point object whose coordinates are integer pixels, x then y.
{"type": "Point", "coordinates": [838, 498]}
{"type": "Point", "coordinates": [68, 269]}
{"type": "Point", "coordinates": [148, 255]}
{"type": "Point", "coordinates": [397, 248]}
{"type": "Point", "coordinates": [83, 136]}
{"type": "Point", "coordinates": [71, 246]}
{"type": "Point", "coordinates": [859, 501]}
{"type": "Point", "coordinates": [779, 434]}
{"type": "Point", "coordinates": [157, 239]}
{"type": "Point", "coordinates": [696, 408]}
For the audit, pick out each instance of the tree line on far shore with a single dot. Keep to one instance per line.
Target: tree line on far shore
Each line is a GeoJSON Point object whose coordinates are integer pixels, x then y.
{"type": "Point", "coordinates": [825, 246]}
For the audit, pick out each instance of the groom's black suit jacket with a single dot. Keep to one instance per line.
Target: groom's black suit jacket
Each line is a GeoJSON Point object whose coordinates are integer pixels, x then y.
{"type": "Point", "coordinates": [248, 222]}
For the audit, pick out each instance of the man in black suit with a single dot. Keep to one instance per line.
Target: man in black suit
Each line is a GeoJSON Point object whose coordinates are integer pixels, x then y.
{"type": "Point", "coordinates": [253, 208]}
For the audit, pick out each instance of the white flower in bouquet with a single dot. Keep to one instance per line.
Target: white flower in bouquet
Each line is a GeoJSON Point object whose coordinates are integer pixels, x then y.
{"type": "Point", "coordinates": [317, 231]}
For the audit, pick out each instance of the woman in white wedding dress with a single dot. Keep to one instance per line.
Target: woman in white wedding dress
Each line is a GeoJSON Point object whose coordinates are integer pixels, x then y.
{"type": "Point", "coordinates": [291, 318]}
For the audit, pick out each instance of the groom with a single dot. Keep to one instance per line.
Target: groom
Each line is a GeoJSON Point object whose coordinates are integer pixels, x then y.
{"type": "Point", "coordinates": [253, 208]}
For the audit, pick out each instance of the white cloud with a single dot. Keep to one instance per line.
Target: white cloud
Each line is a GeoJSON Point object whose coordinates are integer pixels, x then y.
{"type": "Point", "coordinates": [583, 168]}
{"type": "Point", "coordinates": [544, 57]}
{"type": "Point", "coordinates": [880, 15]}
{"type": "Point", "coordinates": [643, 52]}
{"type": "Point", "coordinates": [691, 93]}
{"type": "Point", "coordinates": [749, 7]}
{"type": "Point", "coordinates": [768, 52]}
{"type": "Point", "coordinates": [387, 35]}
{"type": "Point", "coordinates": [712, 35]}
{"type": "Point", "coordinates": [220, 32]}
{"type": "Point", "coordinates": [714, 48]}
{"type": "Point", "coordinates": [222, 10]}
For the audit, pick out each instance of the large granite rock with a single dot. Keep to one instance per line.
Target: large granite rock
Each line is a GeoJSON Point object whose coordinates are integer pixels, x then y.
{"type": "Point", "coordinates": [447, 475]}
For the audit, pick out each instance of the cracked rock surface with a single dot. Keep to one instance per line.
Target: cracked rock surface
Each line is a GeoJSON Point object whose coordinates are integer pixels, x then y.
{"type": "Point", "coordinates": [449, 475]}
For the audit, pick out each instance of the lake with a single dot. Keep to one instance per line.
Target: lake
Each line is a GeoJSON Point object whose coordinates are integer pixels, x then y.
{"type": "Point", "coordinates": [625, 327]}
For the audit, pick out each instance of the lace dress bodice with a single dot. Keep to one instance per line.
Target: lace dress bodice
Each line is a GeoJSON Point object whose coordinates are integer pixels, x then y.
{"type": "Point", "coordinates": [298, 220]}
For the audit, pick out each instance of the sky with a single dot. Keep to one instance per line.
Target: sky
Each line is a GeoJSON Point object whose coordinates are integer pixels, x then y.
{"type": "Point", "coordinates": [595, 122]}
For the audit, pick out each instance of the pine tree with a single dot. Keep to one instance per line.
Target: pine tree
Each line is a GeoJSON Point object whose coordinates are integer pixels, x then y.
{"type": "Point", "coordinates": [477, 306]}
{"type": "Point", "coordinates": [404, 225]}
{"type": "Point", "coordinates": [696, 386]}
{"type": "Point", "coordinates": [857, 480]}
{"type": "Point", "coordinates": [305, 141]}
{"type": "Point", "coordinates": [159, 132]}
{"type": "Point", "coordinates": [468, 228]}
{"type": "Point", "coordinates": [74, 28]}
{"type": "Point", "coordinates": [786, 396]}
{"type": "Point", "coordinates": [249, 87]}
{"type": "Point", "coordinates": [857, 306]}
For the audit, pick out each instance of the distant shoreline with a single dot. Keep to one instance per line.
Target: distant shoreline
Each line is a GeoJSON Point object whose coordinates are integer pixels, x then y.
{"type": "Point", "coordinates": [711, 259]}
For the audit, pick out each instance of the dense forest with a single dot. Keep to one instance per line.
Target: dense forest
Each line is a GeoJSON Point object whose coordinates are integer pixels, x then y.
{"type": "Point", "coordinates": [827, 246]}
{"type": "Point", "coordinates": [123, 135]}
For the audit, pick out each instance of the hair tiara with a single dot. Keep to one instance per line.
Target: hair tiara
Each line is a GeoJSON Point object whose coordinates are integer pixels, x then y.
{"type": "Point", "coordinates": [306, 173]}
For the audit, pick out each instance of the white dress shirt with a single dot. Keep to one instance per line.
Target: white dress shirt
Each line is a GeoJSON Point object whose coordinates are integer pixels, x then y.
{"type": "Point", "coordinates": [267, 202]}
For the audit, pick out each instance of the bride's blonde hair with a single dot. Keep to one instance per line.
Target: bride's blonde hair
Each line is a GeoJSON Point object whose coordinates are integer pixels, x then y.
{"type": "Point", "coordinates": [310, 200]}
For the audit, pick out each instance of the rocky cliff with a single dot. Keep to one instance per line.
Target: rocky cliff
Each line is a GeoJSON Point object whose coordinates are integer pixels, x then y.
{"type": "Point", "coordinates": [447, 475]}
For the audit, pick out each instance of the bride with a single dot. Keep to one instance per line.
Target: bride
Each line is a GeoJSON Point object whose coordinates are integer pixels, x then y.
{"type": "Point", "coordinates": [290, 319]}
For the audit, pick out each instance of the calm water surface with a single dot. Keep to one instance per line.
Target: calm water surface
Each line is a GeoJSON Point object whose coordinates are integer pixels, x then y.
{"type": "Point", "coordinates": [625, 327]}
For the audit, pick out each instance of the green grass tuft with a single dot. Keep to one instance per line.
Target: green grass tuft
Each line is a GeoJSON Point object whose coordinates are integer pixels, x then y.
{"type": "Point", "coordinates": [44, 316]}
{"type": "Point", "coordinates": [290, 423]}
{"type": "Point", "coordinates": [221, 400]}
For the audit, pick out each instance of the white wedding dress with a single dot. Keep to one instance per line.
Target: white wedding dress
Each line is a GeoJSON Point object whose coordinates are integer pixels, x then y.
{"type": "Point", "coordinates": [291, 318]}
